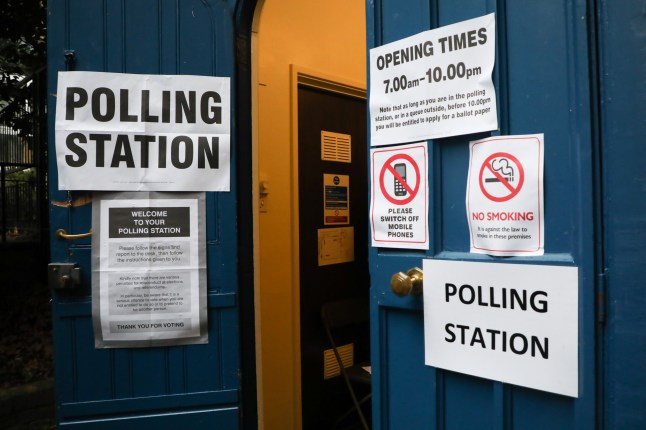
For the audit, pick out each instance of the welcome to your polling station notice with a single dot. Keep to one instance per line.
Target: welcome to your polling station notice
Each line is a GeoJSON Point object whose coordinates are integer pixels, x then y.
{"type": "Point", "coordinates": [434, 83]}
{"type": "Point", "coordinates": [149, 269]}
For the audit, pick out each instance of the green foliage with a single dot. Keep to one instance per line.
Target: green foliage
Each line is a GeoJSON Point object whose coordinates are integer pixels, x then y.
{"type": "Point", "coordinates": [23, 28]}
{"type": "Point", "coordinates": [24, 175]}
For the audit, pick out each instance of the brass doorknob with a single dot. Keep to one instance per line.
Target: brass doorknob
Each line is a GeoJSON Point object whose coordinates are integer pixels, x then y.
{"type": "Point", "coordinates": [407, 283]}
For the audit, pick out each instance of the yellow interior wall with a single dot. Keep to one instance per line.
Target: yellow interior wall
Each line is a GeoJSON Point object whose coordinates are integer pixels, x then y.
{"type": "Point", "coordinates": [327, 38]}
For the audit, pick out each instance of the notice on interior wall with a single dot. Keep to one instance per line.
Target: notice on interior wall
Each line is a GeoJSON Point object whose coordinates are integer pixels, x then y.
{"type": "Point", "coordinates": [336, 199]}
{"type": "Point", "coordinates": [148, 269]}
{"type": "Point", "coordinates": [336, 245]}
{"type": "Point", "coordinates": [127, 132]}
{"type": "Point", "coordinates": [434, 84]}
{"type": "Point", "coordinates": [504, 196]}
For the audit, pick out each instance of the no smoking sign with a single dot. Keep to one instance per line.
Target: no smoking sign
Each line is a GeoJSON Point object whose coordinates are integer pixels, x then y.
{"type": "Point", "coordinates": [501, 177]}
{"type": "Point", "coordinates": [399, 203]}
{"type": "Point", "coordinates": [505, 195]}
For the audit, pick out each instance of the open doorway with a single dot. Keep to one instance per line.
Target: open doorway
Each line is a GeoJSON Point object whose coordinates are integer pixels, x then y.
{"type": "Point", "coordinates": [333, 238]}
{"type": "Point", "coordinates": [320, 46]}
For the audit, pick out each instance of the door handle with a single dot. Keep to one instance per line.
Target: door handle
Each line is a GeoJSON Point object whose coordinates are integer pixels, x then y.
{"type": "Point", "coordinates": [62, 234]}
{"type": "Point", "coordinates": [409, 283]}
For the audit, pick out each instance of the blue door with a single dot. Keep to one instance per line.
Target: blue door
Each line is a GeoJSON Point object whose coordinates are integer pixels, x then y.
{"type": "Point", "coordinates": [543, 84]}
{"type": "Point", "coordinates": [195, 386]}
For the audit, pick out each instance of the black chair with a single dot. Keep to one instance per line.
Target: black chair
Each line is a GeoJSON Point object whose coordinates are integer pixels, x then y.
{"type": "Point", "coordinates": [340, 316]}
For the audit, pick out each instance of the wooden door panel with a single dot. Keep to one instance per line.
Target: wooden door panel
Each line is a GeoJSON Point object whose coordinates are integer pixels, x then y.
{"type": "Point", "coordinates": [542, 80]}
{"type": "Point", "coordinates": [196, 385]}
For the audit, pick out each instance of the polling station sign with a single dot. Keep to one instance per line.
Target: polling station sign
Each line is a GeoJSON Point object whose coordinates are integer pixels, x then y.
{"type": "Point", "coordinates": [504, 197]}
{"type": "Point", "coordinates": [514, 323]}
{"type": "Point", "coordinates": [399, 197]}
{"type": "Point", "coordinates": [127, 132]}
{"type": "Point", "coordinates": [434, 84]}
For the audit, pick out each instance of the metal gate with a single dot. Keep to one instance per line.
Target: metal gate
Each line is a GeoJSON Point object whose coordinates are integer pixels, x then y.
{"type": "Point", "coordinates": [22, 165]}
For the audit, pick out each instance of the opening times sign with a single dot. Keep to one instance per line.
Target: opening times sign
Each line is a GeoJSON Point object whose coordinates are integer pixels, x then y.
{"type": "Point", "coordinates": [434, 84]}
{"type": "Point", "coordinates": [149, 269]}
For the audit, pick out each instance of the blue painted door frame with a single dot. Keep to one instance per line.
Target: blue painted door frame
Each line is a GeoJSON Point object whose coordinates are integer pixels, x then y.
{"type": "Point", "coordinates": [622, 129]}
{"type": "Point", "coordinates": [196, 386]}
{"type": "Point", "coordinates": [544, 78]}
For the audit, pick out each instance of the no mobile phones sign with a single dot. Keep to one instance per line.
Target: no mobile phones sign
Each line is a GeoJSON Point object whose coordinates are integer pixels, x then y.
{"type": "Point", "coordinates": [399, 203]}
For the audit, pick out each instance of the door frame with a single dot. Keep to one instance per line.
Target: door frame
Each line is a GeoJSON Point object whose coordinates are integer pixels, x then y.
{"type": "Point", "coordinates": [244, 20]}
{"type": "Point", "coordinates": [329, 83]}
{"type": "Point", "coordinates": [312, 78]}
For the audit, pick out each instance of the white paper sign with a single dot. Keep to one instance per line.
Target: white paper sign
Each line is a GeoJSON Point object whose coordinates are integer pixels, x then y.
{"type": "Point", "coordinates": [126, 132]}
{"type": "Point", "coordinates": [399, 197]}
{"type": "Point", "coordinates": [507, 322]}
{"type": "Point", "coordinates": [504, 196]}
{"type": "Point", "coordinates": [434, 84]}
{"type": "Point", "coordinates": [149, 269]}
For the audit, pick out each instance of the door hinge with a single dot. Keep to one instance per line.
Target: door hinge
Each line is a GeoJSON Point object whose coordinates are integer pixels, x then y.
{"type": "Point", "coordinates": [601, 298]}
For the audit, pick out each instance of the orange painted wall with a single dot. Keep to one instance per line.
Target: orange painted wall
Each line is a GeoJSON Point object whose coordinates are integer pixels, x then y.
{"type": "Point", "coordinates": [327, 38]}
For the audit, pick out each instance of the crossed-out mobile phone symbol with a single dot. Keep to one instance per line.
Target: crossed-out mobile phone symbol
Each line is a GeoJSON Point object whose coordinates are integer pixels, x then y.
{"type": "Point", "coordinates": [401, 187]}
